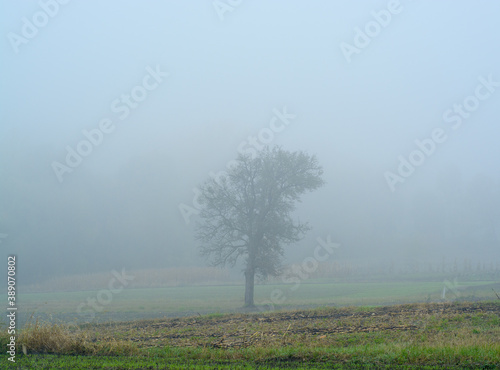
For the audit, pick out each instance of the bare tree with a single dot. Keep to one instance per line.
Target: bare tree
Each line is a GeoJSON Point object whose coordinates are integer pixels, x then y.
{"type": "Point", "coordinates": [246, 214]}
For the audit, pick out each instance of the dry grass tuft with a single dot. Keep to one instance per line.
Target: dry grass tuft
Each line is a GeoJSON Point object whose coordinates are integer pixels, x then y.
{"type": "Point", "coordinates": [45, 337]}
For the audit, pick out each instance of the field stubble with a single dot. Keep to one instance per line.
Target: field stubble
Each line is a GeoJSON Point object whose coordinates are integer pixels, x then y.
{"type": "Point", "coordinates": [432, 324]}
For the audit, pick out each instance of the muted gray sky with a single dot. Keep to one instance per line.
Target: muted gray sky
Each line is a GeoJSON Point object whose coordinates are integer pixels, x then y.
{"type": "Point", "coordinates": [176, 87]}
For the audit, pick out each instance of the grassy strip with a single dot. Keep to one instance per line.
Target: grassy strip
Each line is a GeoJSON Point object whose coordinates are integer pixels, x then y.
{"type": "Point", "coordinates": [383, 354]}
{"type": "Point", "coordinates": [393, 356]}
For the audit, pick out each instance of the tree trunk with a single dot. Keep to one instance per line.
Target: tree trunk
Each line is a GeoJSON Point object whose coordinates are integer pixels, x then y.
{"type": "Point", "coordinates": [249, 285]}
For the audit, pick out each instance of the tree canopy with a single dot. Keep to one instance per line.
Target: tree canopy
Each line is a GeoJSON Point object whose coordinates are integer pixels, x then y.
{"type": "Point", "coordinates": [246, 213]}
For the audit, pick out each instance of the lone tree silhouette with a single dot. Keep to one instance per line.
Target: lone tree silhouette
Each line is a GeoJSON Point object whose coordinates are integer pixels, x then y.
{"type": "Point", "coordinates": [245, 213]}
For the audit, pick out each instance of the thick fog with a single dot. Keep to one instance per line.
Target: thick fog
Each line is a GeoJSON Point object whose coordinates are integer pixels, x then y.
{"type": "Point", "coordinates": [114, 112]}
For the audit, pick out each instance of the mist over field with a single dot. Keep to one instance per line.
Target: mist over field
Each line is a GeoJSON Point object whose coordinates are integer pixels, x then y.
{"type": "Point", "coordinates": [113, 113]}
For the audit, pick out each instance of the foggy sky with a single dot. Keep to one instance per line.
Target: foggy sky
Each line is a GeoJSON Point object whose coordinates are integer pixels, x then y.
{"type": "Point", "coordinates": [217, 79]}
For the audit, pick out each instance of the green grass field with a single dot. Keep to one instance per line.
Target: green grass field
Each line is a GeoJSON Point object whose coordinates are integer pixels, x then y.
{"type": "Point", "coordinates": [426, 336]}
{"type": "Point", "coordinates": [190, 300]}
{"type": "Point", "coordinates": [143, 323]}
